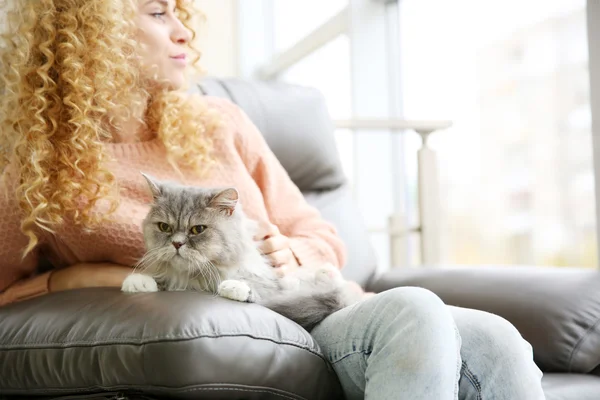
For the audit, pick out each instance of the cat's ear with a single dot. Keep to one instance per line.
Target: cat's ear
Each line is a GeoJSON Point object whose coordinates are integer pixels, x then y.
{"type": "Point", "coordinates": [154, 186]}
{"type": "Point", "coordinates": [225, 201]}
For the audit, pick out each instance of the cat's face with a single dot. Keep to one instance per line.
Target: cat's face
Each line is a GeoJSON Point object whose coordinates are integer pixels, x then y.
{"type": "Point", "coordinates": [193, 229]}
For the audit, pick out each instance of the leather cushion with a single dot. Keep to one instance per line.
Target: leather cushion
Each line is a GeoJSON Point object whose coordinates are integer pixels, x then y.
{"type": "Point", "coordinates": [571, 387]}
{"type": "Point", "coordinates": [295, 122]}
{"type": "Point", "coordinates": [557, 310]}
{"type": "Point", "coordinates": [339, 208]}
{"type": "Point", "coordinates": [184, 345]}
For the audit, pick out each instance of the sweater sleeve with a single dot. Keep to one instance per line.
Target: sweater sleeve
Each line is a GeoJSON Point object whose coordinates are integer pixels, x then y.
{"type": "Point", "coordinates": [313, 240]}
{"type": "Point", "coordinates": [17, 280]}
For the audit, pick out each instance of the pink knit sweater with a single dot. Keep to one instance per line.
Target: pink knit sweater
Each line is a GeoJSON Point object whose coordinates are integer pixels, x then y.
{"type": "Point", "coordinates": [244, 161]}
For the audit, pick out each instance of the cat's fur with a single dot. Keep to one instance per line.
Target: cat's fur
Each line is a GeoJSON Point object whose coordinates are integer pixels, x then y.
{"type": "Point", "coordinates": [224, 258]}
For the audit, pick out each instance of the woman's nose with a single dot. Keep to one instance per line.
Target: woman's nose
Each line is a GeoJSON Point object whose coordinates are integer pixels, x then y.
{"type": "Point", "coordinates": [181, 34]}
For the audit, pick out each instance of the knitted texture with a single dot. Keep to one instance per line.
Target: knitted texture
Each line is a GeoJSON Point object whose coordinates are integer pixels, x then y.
{"type": "Point", "coordinates": [244, 161]}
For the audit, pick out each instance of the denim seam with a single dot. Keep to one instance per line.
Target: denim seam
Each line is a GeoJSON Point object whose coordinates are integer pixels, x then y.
{"type": "Point", "coordinates": [473, 379]}
{"type": "Point", "coordinates": [580, 342]}
{"type": "Point", "coordinates": [458, 361]}
{"type": "Point", "coordinates": [363, 352]}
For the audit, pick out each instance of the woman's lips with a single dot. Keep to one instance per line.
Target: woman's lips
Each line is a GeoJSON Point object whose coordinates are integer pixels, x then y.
{"type": "Point", "coordinates": [180, 59]}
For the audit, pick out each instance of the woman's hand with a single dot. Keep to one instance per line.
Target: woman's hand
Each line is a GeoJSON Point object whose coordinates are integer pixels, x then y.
{"type": "Point", "coordinates": [88, 275]}
{"type": "Point", "coordinates": [276, 247]}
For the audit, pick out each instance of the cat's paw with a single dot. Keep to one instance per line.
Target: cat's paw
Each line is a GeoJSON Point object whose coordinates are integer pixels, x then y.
{"type": "Point", "coordinates": [235, 290]}
{"type": "Point", "coordinates": [136, 283]}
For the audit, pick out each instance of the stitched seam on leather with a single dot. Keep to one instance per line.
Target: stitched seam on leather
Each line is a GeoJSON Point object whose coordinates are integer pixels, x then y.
{"type": "Point", "coordinates": [276, 392]}
{"type": "Point", "coordinates": [249, 390]}
{"type": "Point", "coordinates": [136, 340]}
{"type": "Point", "coordinates": [158, 339]}
{"type": "Point", "coordinates": [580, 342]}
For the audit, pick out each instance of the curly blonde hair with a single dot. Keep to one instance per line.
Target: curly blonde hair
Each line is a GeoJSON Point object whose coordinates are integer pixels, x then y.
{"type": "Point", "coordinates": [65, 64]}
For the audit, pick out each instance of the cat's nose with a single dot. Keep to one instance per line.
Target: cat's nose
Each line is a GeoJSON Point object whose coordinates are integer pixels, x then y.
{"type": "Point", "coordinates": [177, 245]}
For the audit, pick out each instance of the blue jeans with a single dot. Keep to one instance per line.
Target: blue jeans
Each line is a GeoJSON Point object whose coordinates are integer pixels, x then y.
{"type": "Point", "coordinates": [405, 343]}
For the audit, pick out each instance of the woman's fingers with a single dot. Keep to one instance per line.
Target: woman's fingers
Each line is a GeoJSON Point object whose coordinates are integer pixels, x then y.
{"type": "Point", "coordinates": [273, 244]}
{"type": "Point", "coordinates": [266, 231]}
{"type": "Point", "coordinates": [280, 258]}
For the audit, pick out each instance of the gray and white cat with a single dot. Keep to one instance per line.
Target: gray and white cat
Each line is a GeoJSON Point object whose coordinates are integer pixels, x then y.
{"type": "Point", "coordinates": [200, 239]}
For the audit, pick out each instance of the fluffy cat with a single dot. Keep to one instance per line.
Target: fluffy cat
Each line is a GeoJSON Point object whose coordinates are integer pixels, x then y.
{"type": "Point", "coordinates": [200, 239]}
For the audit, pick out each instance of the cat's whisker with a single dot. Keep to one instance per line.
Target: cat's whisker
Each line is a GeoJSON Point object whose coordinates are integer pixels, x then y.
{"type": "Point", "coordinates": [208, 277]}
{"type": "Point", "coordinates": [215, 273]}
{"type": "Point", "coordinates": [149, 260]}
{"type": "Point", "coordinates": [199, 272]}
{"type": "Point", "coordinates": [197, 269]}
{"type": "Point", "coordinates": [142, 265]}
{"type": "Point", "coordinates": [214, 276]}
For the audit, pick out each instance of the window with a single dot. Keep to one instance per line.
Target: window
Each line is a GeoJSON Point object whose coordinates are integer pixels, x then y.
{"type": "Point", "coordinates": [293, 20]}
{"type": "Point", "coordinates": [517, 181]}
{"type": "Point", "coordinates": [517, 171]}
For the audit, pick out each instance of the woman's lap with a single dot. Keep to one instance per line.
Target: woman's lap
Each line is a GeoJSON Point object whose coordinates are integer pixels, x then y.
{"type": "Point", "coordinates": [406, 343]}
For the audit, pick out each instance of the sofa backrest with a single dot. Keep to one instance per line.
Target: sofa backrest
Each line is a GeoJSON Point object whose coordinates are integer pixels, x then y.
{"type": "Point", "coordinates": [297, 127]}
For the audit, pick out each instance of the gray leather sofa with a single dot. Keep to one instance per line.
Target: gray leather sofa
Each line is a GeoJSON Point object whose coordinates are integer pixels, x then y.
{"type": "Point", "coordinates": [102, 344]}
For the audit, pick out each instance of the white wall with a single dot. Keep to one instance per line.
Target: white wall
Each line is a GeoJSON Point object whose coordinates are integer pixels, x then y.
{"type": "Point", "coordinates": [217, 37]}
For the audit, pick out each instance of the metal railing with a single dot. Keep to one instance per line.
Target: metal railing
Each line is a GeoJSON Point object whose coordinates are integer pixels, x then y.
{"type": "Point", "coordinates": [428, 189]}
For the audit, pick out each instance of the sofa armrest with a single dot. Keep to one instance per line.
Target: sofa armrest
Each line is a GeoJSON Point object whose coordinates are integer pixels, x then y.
{"type": "Point", "coordinates": [180, 345]}
{"type": "Point", "coordinates": [556, 309]}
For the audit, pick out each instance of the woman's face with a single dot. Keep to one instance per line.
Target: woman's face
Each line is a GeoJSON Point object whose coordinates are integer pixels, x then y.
{"type": "Point", "coordinates": [163, 38]}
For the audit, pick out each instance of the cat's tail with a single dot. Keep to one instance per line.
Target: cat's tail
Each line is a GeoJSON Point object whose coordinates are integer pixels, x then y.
{"type": "Point", "coordinates": [305, 308]}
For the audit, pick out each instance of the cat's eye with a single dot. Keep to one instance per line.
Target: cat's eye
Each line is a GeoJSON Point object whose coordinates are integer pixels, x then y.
{"type": "Point", "coordinates": [164, 227]}
{"type": "Point", "coordinates": [198, 229]}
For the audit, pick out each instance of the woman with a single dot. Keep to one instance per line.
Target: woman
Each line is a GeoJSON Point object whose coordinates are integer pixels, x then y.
{"type": "Point", "coordinates": [91, 98]}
